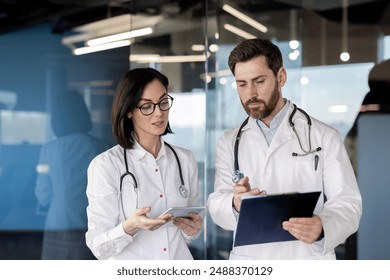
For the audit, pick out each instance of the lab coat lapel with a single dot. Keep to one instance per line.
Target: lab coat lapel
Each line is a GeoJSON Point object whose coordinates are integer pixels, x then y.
{"type": "Point", "coordinates": [283, 135]}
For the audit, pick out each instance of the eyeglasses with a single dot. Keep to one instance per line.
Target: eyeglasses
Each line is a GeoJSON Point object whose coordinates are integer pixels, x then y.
{"type": "Point", "coordinates": [148, 108]}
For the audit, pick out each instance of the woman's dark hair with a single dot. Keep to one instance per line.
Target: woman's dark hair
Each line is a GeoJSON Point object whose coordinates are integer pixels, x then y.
{"type": "Point", "coordinates": [69, 114]}
{"type": "Point", "coordinates": [252, 48]}
{"type": "Point", "coordinates": [127, 95]}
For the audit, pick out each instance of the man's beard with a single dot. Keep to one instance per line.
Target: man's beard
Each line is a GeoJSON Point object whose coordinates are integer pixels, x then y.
{"type": "Point", "coordinates": [257, 112]}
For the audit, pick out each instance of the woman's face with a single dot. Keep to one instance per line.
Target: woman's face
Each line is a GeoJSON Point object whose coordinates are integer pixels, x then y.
{"type": "Point", "coordinates": [152, 125]}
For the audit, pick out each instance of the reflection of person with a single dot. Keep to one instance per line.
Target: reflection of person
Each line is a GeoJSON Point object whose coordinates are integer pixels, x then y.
{"type": "Point", "coordinates": [278, 158]}
{"type": "Point", "coordinates": [124, 208]}
{"type": "Point", "coordinates": [376, 101]}
{"type": "Point", "coordinates": [62, 178]}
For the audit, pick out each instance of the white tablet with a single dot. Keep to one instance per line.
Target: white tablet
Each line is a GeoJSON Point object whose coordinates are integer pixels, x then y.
{"type": "Point", "coordinates": [183, 211]}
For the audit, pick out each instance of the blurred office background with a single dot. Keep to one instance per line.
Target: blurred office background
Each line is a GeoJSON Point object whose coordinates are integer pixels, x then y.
{"type": "Point", "coordinates": [47, 48]}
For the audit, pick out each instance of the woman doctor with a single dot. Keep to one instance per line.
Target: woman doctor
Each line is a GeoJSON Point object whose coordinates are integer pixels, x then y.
{"type": "Point", "coordinates": [133, 183]}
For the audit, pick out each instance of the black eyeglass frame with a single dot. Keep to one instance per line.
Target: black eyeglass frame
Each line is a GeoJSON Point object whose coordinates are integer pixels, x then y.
{"type": "Point", "coordinates": [156, 104]}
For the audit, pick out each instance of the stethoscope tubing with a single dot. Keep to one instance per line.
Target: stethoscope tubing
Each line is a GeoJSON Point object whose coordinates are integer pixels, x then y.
{"type": "Point", "coordinates": [182, 190]}
{"type": "Point", "coordinates": [239, 175]}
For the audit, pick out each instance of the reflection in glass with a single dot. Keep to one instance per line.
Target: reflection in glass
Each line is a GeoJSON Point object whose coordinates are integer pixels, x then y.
{"type": "Point", "coordinates": [62, 178]}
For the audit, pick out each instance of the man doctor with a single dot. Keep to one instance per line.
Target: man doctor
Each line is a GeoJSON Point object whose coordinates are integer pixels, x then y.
{"type": "Point", "coordinates": [275, 159]}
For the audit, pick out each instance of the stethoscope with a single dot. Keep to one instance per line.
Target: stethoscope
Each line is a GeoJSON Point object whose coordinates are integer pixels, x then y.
{"type": "Point", "coordinates": [182, 190]}
{"type": "Point", "coordinates": [238, 175]}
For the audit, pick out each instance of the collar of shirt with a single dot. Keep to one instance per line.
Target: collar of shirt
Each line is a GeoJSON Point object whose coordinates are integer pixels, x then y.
{"type": "Point", "coordinates": [269, 132]}
{"type": "Point", "coordinates": [141, 154]}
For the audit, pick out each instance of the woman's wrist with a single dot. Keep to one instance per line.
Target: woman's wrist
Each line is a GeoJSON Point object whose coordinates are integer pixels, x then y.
{"type": "Point", "coordinates": [129, 229]}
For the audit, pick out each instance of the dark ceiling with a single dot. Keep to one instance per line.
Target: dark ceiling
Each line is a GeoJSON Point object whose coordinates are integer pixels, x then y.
{"type": "Point", "coordinates": [64, 15]}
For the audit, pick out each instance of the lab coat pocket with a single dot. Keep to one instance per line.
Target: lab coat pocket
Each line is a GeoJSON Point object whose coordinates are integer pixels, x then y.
{"type": "Point", "coordinates": [234, 256]}
{"type": "Point", "coordinates": [311, 162]}
{"type": "Point", "coordinates": [305, 171]}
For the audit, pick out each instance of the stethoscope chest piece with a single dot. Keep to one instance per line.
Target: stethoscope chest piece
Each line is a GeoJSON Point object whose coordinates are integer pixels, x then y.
{"type": "Point", "coordinates": [183, 191]}
{"type": "Point", "coordinates": [237, 176]}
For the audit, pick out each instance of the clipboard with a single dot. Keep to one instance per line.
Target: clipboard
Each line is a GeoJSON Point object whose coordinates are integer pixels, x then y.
{"type": "Point", "coordinates": [261, 217]}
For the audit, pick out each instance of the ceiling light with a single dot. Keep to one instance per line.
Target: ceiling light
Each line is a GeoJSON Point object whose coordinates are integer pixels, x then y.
{"type": "Point", "coordinates": [150, 58]}
{"type": "Point", "coordinates": [197, 48]}
{"type": "Point", "coordinates": [344, 56]}
{"type": "Point", "coordinates": [238, 31]}
{"type": "Point", "coordinates": [227, 8]}
{"type": "Point", "coordinates": [294, 44]}
{"type": "Point", "coordinates": [338, 108]}
{"type": "Point", "coordinates": [120, 36]}
{"type": "Point", "coordinates": [223, 81]}
{"type": "Point", "coordinates": [294, 55]}
{"type": "Point", "coordinates": [304, 81]}
{"type": "Point", "coordinates": [103, 47]}
{"type": "Point", "coordinates": [213, 48]}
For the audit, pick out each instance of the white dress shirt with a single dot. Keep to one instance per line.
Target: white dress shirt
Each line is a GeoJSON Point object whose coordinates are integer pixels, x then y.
{"type": "Point", "coordinates": [158, 182]}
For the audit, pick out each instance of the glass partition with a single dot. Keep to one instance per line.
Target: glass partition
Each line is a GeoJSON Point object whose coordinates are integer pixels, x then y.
{"type": "Point", "coordinates": [37, 71]}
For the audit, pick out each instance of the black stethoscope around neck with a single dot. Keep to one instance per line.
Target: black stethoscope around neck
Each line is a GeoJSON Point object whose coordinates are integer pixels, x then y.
{"type": "Point", "coordinates": [238, 175]}
{"type": "Point", "coordinates": [182, 190]}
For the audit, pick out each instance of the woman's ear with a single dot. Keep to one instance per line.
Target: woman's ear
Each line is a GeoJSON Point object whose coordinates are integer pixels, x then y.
{"type": "Point", "coordinates": [129, 115]}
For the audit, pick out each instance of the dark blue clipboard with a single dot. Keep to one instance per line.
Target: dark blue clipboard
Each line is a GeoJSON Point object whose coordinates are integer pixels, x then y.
{"type": "Point", "coordinates": [261, 217]}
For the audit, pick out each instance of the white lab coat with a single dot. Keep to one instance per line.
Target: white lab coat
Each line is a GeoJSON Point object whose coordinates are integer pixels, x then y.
{"type": "Point", "coordinates": [158, 187]}
{"type": "Point", "coordinates": [275, 170]}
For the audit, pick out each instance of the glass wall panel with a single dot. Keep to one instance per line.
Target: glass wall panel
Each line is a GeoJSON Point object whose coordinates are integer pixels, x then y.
{"type": "Point", "coordinates": [176, 47]}
{"type": "Point", "coordinates": [47, 97]}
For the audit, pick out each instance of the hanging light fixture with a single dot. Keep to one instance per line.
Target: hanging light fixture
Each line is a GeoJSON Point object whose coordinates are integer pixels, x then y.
{"type": "Point", "coordinates": [323, 41]}
{"type": "Point", "coordinates": [243, 17]}
{"type": "Point", "coordinates": [294, 43]}
{"type": "Point", "coordinates": [344, 56]}
{"type": "Point", "coordinates": [238, 31]}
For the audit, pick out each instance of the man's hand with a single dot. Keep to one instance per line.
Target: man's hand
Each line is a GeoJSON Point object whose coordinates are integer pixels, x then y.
{"type": "Point", "coordinates": [305, 229]}
{"type": "Point", "coordinates": [243, 188]}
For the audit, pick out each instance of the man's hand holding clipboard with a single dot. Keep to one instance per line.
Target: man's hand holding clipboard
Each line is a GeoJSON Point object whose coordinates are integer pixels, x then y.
{"type": "Point", "coordinates": [261, 218]}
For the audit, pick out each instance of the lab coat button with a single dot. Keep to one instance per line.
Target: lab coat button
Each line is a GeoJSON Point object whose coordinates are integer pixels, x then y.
{"type": "Point", "coordinates": [156, 170]}
{"type": "Point", "coordinates": [161, 195]}
{"type": "Point", "coordinates": [164, 249]}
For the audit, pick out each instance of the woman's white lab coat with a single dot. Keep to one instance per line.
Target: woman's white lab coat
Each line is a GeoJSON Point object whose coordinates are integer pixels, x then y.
{"type": "Point", "coordinates": [158, 187]}
{"type": "Point", "coordinates": [275, 170]}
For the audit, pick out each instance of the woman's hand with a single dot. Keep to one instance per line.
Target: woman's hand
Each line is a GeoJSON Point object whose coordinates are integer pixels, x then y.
{"type": "Point", "coordinates": [191, 225]}
{"type": "Point", "coordinates": [139, 220]}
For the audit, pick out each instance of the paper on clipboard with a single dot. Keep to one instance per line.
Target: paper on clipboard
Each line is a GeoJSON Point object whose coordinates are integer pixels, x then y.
{"type": "Point", "coordinates": [260, 219]}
